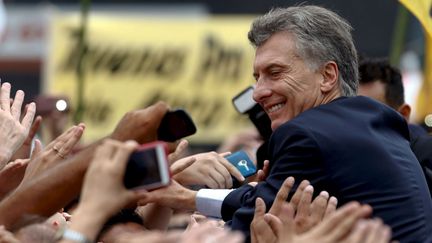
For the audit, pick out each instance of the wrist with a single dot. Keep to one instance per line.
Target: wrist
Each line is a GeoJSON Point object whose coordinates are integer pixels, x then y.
{"type": "Point", "coordinates": [188, 200]}
{"type": "Point", "coordinates": [88, 222]}
{"type": "Point", "coordinates": [74, 236]}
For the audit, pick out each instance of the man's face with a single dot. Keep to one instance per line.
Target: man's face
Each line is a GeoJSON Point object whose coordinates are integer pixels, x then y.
{"type": "Point", "coordinates": [286, 86]}
{"type": "Point", "coordinates": [374, 90]}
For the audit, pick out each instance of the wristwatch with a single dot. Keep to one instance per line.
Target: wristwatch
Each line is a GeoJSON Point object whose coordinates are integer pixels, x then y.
{"type": "Point", "coordinates": [75, 236]}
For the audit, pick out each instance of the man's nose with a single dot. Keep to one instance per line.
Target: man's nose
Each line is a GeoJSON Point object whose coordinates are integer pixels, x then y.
{"type": "Point", "coordinates": [261, 92]}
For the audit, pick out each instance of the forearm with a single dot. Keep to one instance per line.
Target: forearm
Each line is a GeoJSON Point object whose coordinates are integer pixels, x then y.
{"type": "Point", "coordinates": [155, 217]}
{"type": "Point", "coordinates": [47, 193]}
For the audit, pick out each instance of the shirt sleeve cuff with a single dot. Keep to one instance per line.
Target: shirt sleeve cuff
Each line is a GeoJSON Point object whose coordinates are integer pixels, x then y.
{"type": "Point", "coordinates": [209, 201]}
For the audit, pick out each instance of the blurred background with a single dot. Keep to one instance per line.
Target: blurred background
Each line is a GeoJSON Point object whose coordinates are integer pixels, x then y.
{"type": "Point", "coordinates": [105, 57]}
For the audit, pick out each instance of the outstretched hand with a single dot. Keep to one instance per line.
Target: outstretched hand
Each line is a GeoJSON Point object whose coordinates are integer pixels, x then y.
{"type": "Point", "coordinates": [13, 131]}
{"type": "Point", "coordinates": [140, 125]}
{"type": "Point", "coordinates": [56, 151]}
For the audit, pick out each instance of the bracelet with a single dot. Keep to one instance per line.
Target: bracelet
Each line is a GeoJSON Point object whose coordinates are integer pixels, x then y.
{"type": "Point", "coordinates": [72, 235]}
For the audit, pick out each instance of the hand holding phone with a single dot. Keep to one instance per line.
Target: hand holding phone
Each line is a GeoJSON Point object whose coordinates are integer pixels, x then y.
{"type": "Point", "coordinates": [175, 124]}
{"type": "Point", "coordinates": [147, 167]}
{"type": "Point", "coordinates": [242, 162]}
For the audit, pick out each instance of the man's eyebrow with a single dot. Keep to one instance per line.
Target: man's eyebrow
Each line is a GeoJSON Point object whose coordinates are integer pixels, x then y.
{"type": "Point", "coordinates": [270, 66]}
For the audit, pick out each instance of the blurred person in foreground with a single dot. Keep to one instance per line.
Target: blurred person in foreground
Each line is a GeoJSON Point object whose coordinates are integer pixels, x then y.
{"type": "Point", "coordinates": [352, 146]}
{"type": "Point", "coordinates": [382, 82]}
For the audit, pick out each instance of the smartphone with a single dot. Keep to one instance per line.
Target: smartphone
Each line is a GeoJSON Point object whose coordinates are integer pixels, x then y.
{"type": "Point", "coordinates": [147, 167]}
{"type": "Point", "coordinates": [176, 124]}
{"type": "Point", "coordinates": [243, 102]}
{"type": "Point", "coordinates": [242, 162]}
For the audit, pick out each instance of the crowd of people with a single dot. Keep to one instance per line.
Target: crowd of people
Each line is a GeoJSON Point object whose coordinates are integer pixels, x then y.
{"type": "Point", "coordinates": [339, 167]}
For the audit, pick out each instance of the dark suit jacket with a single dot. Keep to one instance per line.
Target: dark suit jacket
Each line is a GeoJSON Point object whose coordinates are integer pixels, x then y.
{"type": "Point", "coordinates": [422, 148]}
{"type": "Point", "coordinates": [356, 149]}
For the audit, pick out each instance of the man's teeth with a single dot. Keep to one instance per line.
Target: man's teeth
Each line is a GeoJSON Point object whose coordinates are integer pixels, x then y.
{"type": "Point", "coordinates": [275, 107]}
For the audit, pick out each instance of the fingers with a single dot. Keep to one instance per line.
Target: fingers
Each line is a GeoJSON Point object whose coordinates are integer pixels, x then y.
{"type": "Point", "coordinates": [283, 225]}
{"type": "Point", "coordinates": [66, 146]}
{"type": "Point", "coordinates": [266, 167]}
{"type": "Point", "coordinates": [221, 179]}
{"type": "Point", "coordinates": [260, 208]}
{"type": "Point", "coordinates": [282, 196]}
{"type": "Point", "coordinates": [318, 207]}
{"type": "Point", "coordinates": [62, 137]}
{"type": "Point", "coordinates": [295, 200]}
{"type": "Point", "coordinates": [369, 231]}
{"type": "Point", "coordinates": [5, 97]}
{"type": "Point", "coordinates": [377, 232]}
{"type": "Point", "coordinates": [177, 154]}
{"type": "Point", "coordinates": [302, 217]}
{"type": "Point", "coordinates": [181, 165]}
{"type": "Point", "coordinates": [33, 129]}
{"type": "Point", "coordinates": [17, 104]}
{"type": "Point", "coordinates": [223, 154]}
{"type": "Point", "coordinates": [27, 120]}
{"type": "Point", "coordinates": [331, 207]}
{"type": "Point", "coordinates": [232, 169]}
{"type": "Point", "coordinates": [103, 152]}
{"type": "Point", "coordinates": [221, 174]}
{"type": "Point", "coordinates": [122, 153]}
{"type": "Point", "coordinates": [253, 183]}
{"type": "Point", "coordinates": [339, 224]}
{"type": "Point", "coordinates": [260, 175]}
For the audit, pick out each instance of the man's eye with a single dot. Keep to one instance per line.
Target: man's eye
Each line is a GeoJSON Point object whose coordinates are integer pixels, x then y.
{"type": "Point", "coordinates": [275, 73]}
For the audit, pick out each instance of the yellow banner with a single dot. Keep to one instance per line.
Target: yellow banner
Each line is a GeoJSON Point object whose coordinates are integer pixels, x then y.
{"type": "Point", "coordinates": [422, 10]}
{"type": "Point", "coordinates": [197, 64]}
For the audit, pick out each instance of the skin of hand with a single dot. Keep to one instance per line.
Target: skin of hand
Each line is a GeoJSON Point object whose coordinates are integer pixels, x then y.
{"type": "Point", "coordinates": [59, 185]}
{"type": "Point", "coordinates": [206, 232]}
{"type": "Point", "coordinates": [261, 231]}
{"type": "Point", "coordinates": [6, 236]}
{"type": "Point", "coordinates": [54, 152]}
{"type": "Point", "coordinates": [11, 176]}
{"type": "Point", "coordinates": [369, 231]}
{"type": "Point", "coordinates": [174, 196]}
{"type": "Point", "coordinates": [103, 192]}
{"type": "Point", "coordinates": [13, 132]}
{"type": "Point", "coordinates": [335, 228]}
{"type": "Point", "coordinates": [140, 125]}
{"type": "Point", "coordinates": [179, 151]}
{"type": "Point", "coordinates": [161, 215]}
{"type": "Point", "coordinates": [210, 169]}
{"type": "Point", "coordinates": [24, 151]}
{"type": "Point", "coordinates": [261, 174]}
{"type": "Point", "coordinates": [307, 213]}
{"type": "Point", "coordinates": [210, 231]}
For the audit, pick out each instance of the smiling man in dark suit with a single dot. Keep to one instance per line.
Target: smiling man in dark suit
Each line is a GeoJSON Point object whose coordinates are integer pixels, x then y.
{"type": "Point", "coordinates": [355, 148]}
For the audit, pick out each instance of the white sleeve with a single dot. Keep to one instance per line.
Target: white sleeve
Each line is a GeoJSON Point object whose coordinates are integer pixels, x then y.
{"type": "Point", "coordinates": [209, 201]}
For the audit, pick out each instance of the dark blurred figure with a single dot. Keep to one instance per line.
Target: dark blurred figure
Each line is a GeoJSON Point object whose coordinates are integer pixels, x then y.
{"type": "Point", "coordinates": [55, 113]}
{"type": "Point", "coordinates": [382, 82]}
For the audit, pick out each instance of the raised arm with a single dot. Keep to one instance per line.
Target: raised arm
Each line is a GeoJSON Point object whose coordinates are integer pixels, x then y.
{"type": "Point", "coordinates": [50, 191]}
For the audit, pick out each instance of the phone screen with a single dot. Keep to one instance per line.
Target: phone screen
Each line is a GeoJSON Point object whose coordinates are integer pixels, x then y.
{"type": "Point", "coordinates": [143, 168]}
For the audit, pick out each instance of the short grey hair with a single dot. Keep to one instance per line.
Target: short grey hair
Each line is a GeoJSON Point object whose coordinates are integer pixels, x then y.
{"type": "Point", "coordinates": [320, 36]}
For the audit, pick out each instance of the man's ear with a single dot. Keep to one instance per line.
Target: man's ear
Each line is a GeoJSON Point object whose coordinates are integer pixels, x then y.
{"type": "Point", "coordinates": [330, 72]}
{"type": "Point", "coordinates": [405, 111]}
